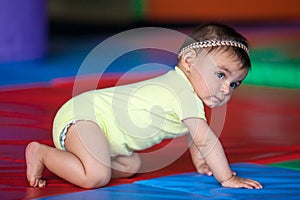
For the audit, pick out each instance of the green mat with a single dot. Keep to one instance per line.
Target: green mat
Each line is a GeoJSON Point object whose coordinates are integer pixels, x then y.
{"type": "Point", "coordinates": [295, 164]}
{"type": "Point", "coordinates": [276, 66]}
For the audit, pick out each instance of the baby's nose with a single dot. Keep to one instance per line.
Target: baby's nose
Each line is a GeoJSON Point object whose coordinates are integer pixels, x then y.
{"type": "Point", "coordinates": [226, 88]}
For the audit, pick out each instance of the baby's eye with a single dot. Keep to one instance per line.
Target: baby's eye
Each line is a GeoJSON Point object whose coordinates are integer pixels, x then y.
{"type": "Point", "coordinates": [234, 85]}
{"type": "Point", "coordinates": [220, 75]}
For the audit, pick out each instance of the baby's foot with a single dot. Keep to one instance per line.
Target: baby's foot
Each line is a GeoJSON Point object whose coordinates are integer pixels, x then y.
{"type": "Point", "coordinates": [35, 167]}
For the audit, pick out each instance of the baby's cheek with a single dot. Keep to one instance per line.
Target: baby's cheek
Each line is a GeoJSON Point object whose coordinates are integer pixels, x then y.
{"type": "Point", "coordinates": [227, 98]}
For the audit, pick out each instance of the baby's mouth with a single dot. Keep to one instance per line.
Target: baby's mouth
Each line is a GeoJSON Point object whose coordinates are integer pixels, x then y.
{"type": "Point", "coordinates": [216, 99]}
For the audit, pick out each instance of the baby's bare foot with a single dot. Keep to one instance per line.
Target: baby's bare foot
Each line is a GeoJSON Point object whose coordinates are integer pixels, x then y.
{"type": "Point", "coordinates": [35, 167]}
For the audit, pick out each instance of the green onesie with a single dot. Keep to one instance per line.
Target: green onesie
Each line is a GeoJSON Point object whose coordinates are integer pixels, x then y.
{"type": "Point", "coordinates": [134, 116]}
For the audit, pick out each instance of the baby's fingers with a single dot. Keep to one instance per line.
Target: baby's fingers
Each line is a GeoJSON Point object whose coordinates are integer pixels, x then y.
{"type": "Point", "coordinates": [204, 169]}
{"type": "Point", "coordinates": [238, 182]}
{"type": "Point", "coordinates": [252, 184]}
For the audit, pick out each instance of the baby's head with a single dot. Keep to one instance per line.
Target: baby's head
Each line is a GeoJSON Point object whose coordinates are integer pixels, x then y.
{"type": "Point", "coordinates": [215, 59]}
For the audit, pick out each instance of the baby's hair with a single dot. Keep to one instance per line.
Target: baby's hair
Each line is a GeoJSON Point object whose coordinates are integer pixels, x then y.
{"type": "Point", "coordinates": [217, 36]}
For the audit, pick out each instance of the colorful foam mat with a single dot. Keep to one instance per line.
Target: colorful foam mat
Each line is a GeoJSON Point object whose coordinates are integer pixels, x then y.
{"type": "Point", "coordinates": [279, 184]}
{"type": "Point", "coordinates": [261, 126]}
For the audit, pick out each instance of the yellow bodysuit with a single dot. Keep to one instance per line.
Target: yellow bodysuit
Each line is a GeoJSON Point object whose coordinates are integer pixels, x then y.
{"type": "Point", "coordinates": [134, 116]}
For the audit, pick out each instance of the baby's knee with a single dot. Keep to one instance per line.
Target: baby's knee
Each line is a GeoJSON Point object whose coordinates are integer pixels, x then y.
{"type": "Point", "coordinates": [95, 178]}
{"type": "Point", "coordinates": [123, 166]}
{"type": "Point", "coordinates": [95, 181]}
{"type": "Point", "coordinates": [136, 165]}
{"type": "Point", "coordinates": [133, 164]}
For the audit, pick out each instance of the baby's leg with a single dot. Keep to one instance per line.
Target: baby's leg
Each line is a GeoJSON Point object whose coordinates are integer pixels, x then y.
{"type": "Point", "coordinates": [86, 162]}
{"type": "Point", "coordinates": [125, 166]}
{"type": "Point", "coordinates": [35, 167]}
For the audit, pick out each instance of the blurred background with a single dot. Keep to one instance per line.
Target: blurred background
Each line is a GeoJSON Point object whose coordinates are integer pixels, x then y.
{"type": "Point", "coordinates": [43, 44]}
{"type": "Point", "coordinates": [42, 40]}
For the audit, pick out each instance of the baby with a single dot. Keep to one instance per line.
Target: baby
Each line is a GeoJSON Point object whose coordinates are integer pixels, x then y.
{"type": "Point", "coordinates": [97, 133]}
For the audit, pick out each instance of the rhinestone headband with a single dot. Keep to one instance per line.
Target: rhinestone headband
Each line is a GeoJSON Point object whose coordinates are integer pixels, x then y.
{"type": "Point", "coordinates": [213, 43]}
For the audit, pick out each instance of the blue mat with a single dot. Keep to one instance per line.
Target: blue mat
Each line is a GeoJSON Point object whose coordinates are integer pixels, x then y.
{"type": "Point", "coordinates": [278, 184]}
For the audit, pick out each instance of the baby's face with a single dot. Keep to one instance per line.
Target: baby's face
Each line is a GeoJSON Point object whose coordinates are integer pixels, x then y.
{"type": "Point", "coordinates": [215, 76]}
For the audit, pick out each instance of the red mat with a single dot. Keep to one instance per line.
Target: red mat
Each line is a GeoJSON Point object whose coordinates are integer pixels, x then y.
{"type": "Point", "coordinates": [262, 125]}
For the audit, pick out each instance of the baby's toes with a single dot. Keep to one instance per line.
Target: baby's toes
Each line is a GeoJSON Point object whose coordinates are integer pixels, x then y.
{"type": "Point", "coordinates": [34, 182]}
{"type": "Point", "coordinates": [41, 183]}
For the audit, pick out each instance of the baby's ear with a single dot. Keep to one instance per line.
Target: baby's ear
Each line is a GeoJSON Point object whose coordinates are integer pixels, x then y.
{"type": "Point", "coordinates": [187, 58]}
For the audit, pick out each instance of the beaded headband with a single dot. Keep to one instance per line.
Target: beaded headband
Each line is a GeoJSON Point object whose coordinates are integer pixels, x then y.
{"type": "Point", "coordinates": [214, 43]}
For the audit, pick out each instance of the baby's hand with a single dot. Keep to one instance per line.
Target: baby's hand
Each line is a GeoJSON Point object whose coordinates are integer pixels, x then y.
{"type": "Point", "coordinates": [202, 168]}
{"type": "Point", "coordinates": [238, 182]}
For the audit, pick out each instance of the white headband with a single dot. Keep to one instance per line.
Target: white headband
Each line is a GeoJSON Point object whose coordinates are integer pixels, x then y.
{"type": "Point", "coordinates": [214, 43]}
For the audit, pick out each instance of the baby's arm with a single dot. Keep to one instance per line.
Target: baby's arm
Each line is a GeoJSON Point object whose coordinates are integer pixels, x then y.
{"type": "Point", "coordinates": [198, 160]}
{"type": "Point", "coordinates": [212, 151]}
